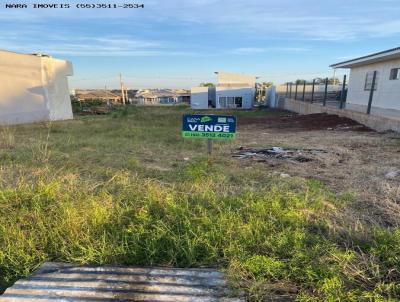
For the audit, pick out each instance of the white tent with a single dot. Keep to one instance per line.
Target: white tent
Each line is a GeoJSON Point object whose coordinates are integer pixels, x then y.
{"type": "Point", "coordinates": [33, 88]}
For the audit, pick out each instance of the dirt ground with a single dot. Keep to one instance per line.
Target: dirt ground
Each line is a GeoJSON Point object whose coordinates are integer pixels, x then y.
{"type": "Point", "coordinates": [357, 160]}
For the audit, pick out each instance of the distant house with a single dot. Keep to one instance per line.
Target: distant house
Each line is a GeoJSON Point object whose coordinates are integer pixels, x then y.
{"type": "Point", "coordinates": [386, 96]}
{"type": "Point", "coordinates": [161, 96]}
{"type": "Point", "coordinates": [33, 88]}
{"type": "Point", "coordinates": [232, 91]}
{"type": "Point", "coordinates": [98, 95]}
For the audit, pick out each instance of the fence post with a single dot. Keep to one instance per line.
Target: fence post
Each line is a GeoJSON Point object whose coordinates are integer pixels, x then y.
{"type": "Point", "coordinates": [295, 94]}
{"type": "Point", "coordinates": [326, 91]}
{"type": "Point", "coordinates": [371, 93]}
{"type": "Point", "coordinates": [290, 91]}
{"type": "Point", "coordinates": [304, 91]}
{"type": "Point", "coordinates": [312, 92]}
{"type": "Point", "coordinates": [342, 99]}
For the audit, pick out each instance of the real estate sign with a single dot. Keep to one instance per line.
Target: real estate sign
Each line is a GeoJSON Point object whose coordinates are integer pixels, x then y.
{"type": "Point", "coordinates": [221, 127]}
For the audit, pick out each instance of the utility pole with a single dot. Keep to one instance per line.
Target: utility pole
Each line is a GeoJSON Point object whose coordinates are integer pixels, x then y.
{"type": "Point", "coordinates": [126, 94]}
{"type": "Point", "coordinates": [106, 92]}
{"type": "Point", "coordinates": [122, 88]}
{"type": "Point", "coordinates": [334, 76]}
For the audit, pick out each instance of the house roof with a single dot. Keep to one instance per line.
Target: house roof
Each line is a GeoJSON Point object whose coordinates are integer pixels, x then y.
{"type": "Point", "coordinates": [27, 54]}
{"type": "Point", "coordinates": [97, 94]}
{"type": "Point", "coordinates": [381, 56]}
{"type": "Point", "coordinates": [156, 93]}
{"type": "Point", "coordinates": [232, 79]}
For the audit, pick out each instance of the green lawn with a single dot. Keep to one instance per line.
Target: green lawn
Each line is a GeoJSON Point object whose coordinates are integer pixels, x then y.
{"type": "Point", "coordinates": [127, 189]}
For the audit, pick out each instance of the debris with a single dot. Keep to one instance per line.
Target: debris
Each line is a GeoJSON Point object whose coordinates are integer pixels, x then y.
{"type": "Point", "coordinates": [186, 158]}
{"type": "Point", "coordinates": [284, 175]}
{"type": "Point", "coordinates": [298, 155]}
{"type": "Point", "coordinates": [67, 282]}
{"type": "Point", "coordinates": [392, 174]}
{"type": "Point", "coordinates": [277, 150]}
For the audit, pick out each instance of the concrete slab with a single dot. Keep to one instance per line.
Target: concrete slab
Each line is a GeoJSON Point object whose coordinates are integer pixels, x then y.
{"type": "Point", "coordinates": [376, 122]}
{"type": "Point", "coordinates": [65, 282]}
{"type": "Point", "coordinates": [389, 113]}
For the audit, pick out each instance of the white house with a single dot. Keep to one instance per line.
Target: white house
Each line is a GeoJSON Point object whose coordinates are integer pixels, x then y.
{"type": "Point", "coordinates": [232, 91]}
{"type": "Point", "coordinates": [386, 96]}
{"type": "Point", "coordinates": [161, 96]}
{"type": "Point", "coordinates": [199, 97]}
{"type": "Point", "coordinates": [33, 88]}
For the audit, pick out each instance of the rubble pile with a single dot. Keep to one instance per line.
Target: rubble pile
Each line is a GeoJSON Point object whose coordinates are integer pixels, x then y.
{"type": "Point", "coordinates": [296, 155]}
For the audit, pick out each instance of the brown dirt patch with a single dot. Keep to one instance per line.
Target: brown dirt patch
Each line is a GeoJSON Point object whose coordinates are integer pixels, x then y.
{"type": "Point", "coordinates": [309, 122]}
{"type": "Point", "coordinates": [356, 161]}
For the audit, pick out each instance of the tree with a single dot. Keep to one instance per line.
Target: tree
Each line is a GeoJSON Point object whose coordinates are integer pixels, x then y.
{"type": "Point", "coordinates": [334, 80]}
{"type": "Point", "coordinates": [319, 81]}
{"type": "Point", "coordinates": [300, 81]}
{"type": "Point", "coordinates": [267, 84]}
{"type": "Point", "coordinates": [331, 81]}
{"type": "Point", "coordinates": [207, 84]}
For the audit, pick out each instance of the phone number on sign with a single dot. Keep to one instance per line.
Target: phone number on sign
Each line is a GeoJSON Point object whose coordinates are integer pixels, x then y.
{"type": "Point", "coordinates": [99, 5]}
{"type": "Point", "coordinates": [79, 5]}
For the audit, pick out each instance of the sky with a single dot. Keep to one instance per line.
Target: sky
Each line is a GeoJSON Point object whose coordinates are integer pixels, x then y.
{"type": "Point", "coordinates": [181, 43]}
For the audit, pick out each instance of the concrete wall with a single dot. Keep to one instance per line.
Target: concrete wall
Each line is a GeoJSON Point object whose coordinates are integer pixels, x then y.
{"type": "Point", "coordinates": [199, 98]}
{"type": "Point", "coordinates": [378, 123]}
{"type": "Point", "coordinates": [387, 94]}
{"type": "Point", "coordinates": [228, 78]}
{"type": "Point", "coordinates": [33, 88]}
{"type": "Point", "coordinates": [271, 97]}
{"type": "Point", "coordinates": [247, 95]}
{"type": "Point", "coordinates": [55, 81]}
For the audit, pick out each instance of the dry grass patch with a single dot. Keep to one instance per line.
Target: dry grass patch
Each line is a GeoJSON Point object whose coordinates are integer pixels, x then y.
{"type": "Point", "coordinates": [127, 189]}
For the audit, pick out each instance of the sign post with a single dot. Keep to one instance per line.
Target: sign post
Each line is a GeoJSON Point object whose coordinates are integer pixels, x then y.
{"type": "Point", "coordinates": [209, 146]}
{"type": "Point", "coordinates": [210, 127]}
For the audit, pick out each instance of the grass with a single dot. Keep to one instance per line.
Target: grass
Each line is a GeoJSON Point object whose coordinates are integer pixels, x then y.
{"type": "Point", "coordinates": [127, 189]}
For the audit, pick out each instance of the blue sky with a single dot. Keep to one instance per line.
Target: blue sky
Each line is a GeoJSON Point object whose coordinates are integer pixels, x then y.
{"type": "Point", "coordinates": [177, 43]}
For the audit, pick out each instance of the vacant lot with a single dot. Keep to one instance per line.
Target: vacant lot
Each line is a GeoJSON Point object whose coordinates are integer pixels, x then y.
{"type": "Point", "coordinates": [125, 188]}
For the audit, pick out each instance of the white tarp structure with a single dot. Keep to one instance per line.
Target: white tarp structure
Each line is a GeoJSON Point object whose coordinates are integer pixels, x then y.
{"type": "Point", "coordinates": [33, 88]}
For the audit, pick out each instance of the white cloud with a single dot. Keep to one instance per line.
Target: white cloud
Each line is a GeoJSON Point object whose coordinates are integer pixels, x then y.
{"type": "Point", "coordinates": [255, 50]}
{"type": "Point", "coordinates": [248, 50]}
{"type": "Point", "coordinates": [87, 46]}
{"type": "Point", "coordinates": [310, 19]}
{"type": "Point", "coordinates": [385, 29]}
{"type": "Point", "coordinates": [287, 20]}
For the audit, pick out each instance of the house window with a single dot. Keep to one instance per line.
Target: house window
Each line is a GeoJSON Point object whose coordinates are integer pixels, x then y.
{"type": "Point", "coordinates": [238, 102]}
{"type": "Point", "coordinates": [222, 102]}
{"type": "Point", "coordinates": [368, 80]}
{"type": "Point", "coordinates": [230, 102]}
{"type": "Point", "coordinates": [394, 74]}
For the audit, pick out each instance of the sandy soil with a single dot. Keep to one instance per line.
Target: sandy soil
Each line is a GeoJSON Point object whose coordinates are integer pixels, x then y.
{"type": "Point", "coordinates": [357, 159]}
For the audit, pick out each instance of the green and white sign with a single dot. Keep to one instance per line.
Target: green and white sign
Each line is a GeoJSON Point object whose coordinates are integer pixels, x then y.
{"type": "Point", "coordinates": [219, 127]}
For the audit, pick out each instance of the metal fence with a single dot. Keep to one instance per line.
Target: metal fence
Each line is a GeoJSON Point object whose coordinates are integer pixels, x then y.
{"type": "Point", "coordinates": [314, 92]}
